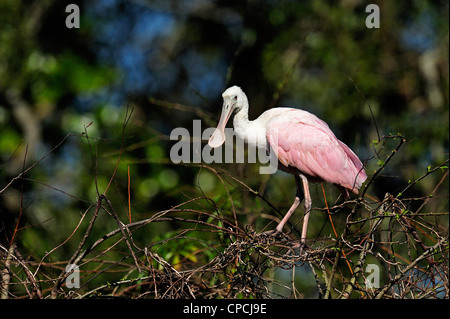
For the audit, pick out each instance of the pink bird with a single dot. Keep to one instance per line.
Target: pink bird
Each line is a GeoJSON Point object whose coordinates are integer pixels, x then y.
{"type": "Point", "coordinates": [303, 144]}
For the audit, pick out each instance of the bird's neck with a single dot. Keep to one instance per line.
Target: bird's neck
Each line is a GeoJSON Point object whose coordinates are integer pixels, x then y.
{"type": "Point", "coordinates": [241, 123]}
{"type": "Point", "coordinates": [241, 118]}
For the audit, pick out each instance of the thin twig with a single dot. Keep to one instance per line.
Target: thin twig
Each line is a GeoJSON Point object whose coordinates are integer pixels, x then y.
{"type": "Point", "coordinates": [403, 271]}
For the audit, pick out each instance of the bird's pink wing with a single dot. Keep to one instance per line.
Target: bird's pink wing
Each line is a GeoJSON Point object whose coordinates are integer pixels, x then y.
{"type": "Point", "coordinates": [303, 141]}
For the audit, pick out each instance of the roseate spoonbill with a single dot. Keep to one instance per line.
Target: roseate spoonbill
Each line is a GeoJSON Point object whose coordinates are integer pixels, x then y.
{"type": "Point", "coordinates": [304, 145]}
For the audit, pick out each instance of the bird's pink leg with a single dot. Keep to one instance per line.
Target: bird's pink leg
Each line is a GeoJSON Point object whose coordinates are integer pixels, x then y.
{"type": "Point", "coordinates": [298, 199]}
{"type": "Point", "coordinates": [308, 203]}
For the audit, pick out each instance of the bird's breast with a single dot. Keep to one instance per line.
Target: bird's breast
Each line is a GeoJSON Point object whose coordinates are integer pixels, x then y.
{"type": "Point", "coordinates": [253, 135]}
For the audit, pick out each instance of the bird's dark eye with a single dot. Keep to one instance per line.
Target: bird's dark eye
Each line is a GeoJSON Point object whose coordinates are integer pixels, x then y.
{"type": "Point", "coordinates": [235, 97]}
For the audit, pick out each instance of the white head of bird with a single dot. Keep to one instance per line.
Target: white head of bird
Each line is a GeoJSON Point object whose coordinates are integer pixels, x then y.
{"type": "Point", "coordinates": [234, 100]}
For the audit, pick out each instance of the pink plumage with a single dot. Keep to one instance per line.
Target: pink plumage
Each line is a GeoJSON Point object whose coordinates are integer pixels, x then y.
{"type": "Point", "coordinates": [304, 142]}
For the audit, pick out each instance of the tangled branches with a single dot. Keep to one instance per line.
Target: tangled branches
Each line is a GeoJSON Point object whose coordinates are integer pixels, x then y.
{"type": "Point", "coordinates": [396, 247]}
{"type": "Point", "coordinates": [244, 261]}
